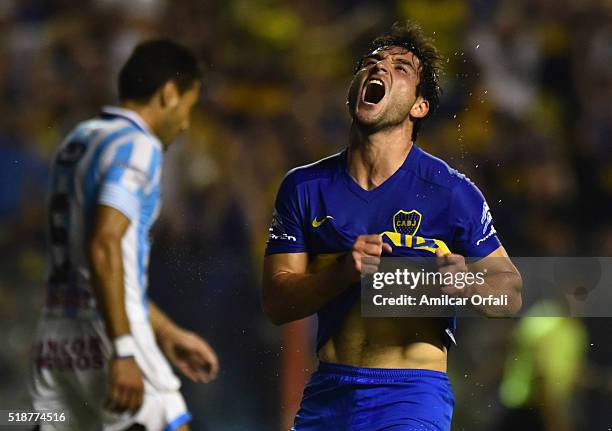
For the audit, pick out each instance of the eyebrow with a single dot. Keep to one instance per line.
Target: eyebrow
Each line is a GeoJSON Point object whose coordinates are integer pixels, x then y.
{"type": "Point", "coordinates": [376, 56]}
{"type": "Point", "coordinates": [406, 62]}
{"type": "Point", "coordinates": [380, 56]}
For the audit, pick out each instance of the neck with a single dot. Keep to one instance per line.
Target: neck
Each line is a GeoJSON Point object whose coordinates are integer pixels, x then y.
{"type": "Point", "coordinates": [143, 110]}
{"type": "Point", "coordinates": [374, 156]}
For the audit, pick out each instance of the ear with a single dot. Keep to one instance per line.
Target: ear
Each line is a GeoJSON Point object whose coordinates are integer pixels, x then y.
{"type": "Point", "coordinates": [169, 95]}
{"type": "Point", "coordinates": [420, 108]}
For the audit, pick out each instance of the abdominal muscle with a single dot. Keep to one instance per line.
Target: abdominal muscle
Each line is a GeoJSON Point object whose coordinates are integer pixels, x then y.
{"type": "Point", "coordinates": [390, 342]}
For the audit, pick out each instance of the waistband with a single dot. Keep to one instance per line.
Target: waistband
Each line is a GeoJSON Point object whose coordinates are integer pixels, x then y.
{"type": "Point", "coordinates": [378, 373]}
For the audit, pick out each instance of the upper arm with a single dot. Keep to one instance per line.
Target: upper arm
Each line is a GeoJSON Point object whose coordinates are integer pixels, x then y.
{"type": "Point", "coordinates": [285, 263]}
{"type": "Point", "coordinates": [286, 232]}
{"type": "Point", "coordinates": [474, 235]}
{"type": "Point", "coordinates": [110, 224]}
{"type": "Point", "coordinates": [496, 262]}
{"type": "Point", "coordinates": [502, 277]}
{"type": "Point", "coordinates": [286, 247]}
{"type": "Point", "coordinates": [277, 266]}
{"type": "Point", "coordinates": [129, 171]}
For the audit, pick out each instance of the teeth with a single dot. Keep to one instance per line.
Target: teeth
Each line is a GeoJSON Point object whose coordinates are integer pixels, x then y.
{"type": "Point", "coordinates": [376, 81]}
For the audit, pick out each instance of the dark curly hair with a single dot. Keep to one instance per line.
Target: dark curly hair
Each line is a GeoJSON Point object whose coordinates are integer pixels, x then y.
{"type": "Point", "coordinates": [411, 37]}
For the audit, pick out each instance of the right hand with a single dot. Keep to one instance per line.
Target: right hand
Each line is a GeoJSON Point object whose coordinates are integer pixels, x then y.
{"type": "Point", "coordinates": [364, 257]}
{"type": "Point", "coordinates": [126, 387]}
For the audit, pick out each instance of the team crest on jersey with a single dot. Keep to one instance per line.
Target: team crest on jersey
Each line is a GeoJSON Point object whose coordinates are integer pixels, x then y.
{"type": "Point", "coordinates": [407, 222]}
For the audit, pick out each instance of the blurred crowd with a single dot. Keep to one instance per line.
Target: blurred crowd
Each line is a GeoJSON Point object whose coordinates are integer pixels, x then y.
{"type": "Point", "coordinates": [526, 113]}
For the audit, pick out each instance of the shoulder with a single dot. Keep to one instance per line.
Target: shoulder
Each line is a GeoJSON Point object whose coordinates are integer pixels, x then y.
{"type": "Point", "coordinates": [115, 133]}
{"type": "Point", "coordinates": [107, 132]}
{"type": "Point", "coordinates": [323, 169]}
{"type": "Point", "coordinates": [436, 171]}
{"type": "Point", "coordinates": [122, 149]}
{"type": "Point", "coordinates": [85, 131]}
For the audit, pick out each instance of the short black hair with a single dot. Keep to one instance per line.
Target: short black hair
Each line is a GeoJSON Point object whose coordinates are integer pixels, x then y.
{"type": "Point", "coordinates": [411, 37]}
{"type": "Point", "coordinates": [152, 64]}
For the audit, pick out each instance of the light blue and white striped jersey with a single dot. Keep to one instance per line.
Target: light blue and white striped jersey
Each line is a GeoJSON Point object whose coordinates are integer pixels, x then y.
{"type": "Point", "coordinates": [114, 160]}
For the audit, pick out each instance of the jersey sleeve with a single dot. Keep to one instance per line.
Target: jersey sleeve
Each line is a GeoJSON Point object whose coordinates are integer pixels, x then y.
{"type": "Point", "coordinates": [286, 232]}
{"type": "Point", "coordinates": [127, 173]}
{"type": "Point", "coordinates": [472, 224]}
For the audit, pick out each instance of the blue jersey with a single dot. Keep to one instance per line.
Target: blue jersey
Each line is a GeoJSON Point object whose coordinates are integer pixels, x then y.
{"type": "Point", "coordinates": [113, 160]}
{"type": "Point", "coordinates": [424, 205]}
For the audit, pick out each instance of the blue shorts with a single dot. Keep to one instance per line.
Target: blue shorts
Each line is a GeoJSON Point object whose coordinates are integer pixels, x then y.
{"type": "Point", "coordinates": [345, 398]}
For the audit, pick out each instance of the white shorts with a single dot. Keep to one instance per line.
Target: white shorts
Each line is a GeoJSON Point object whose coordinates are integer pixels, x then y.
{"type": "Point", "coordinates": [69, 375]}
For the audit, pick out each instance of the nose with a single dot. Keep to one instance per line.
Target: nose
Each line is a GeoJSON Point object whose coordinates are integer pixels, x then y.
{"type": "Point", "coordinates": [381, 65]}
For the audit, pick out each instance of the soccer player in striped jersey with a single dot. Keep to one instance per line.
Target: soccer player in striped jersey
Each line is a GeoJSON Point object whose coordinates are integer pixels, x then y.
{"type": "Point", "coordinates": [383, 195]}
{"type": "Point", "coordinates": [102, 347]}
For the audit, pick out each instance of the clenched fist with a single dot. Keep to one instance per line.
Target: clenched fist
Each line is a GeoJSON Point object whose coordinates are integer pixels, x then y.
{"type": "Point", "coordinates": [364, 257]}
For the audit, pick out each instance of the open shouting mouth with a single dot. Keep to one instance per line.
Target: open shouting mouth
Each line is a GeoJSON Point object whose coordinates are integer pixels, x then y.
{"type": "Point", "coordinates": [374, 91]}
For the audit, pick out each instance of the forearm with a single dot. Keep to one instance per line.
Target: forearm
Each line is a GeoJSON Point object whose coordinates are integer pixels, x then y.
{"type": "Point", "coordinates": [500, 285]}
{"type": "Point", "coordinates": [107, 280]}
{"type": "Point", "coordinates": [290, 296]}
{"type": "Point", "coordinates": [160, 322]}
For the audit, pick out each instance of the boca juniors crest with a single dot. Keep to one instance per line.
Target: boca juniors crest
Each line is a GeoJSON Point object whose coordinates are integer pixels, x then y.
{"type": "Point", "coordinates": [407, 222]}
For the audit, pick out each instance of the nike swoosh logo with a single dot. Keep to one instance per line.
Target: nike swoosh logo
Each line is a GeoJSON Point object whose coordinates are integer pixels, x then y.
{"type": "Point", "coordinates": [316, 223]}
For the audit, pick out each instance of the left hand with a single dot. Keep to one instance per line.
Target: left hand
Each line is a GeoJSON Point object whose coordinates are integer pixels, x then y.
{"type": "Point", "coordinates": [452, 263]}
{"type": "Point", "coordinates": [190, 354]}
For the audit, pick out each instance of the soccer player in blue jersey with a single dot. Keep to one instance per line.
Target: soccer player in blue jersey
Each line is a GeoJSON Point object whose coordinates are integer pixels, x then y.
{"type": "Point", "coordinates": [102, 348]}
{"type": "Point", "coordinates": [380, 373]}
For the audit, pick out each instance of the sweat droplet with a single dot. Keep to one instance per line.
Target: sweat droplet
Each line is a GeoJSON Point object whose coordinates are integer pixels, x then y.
{"type": "Point", "coordinates": [477, 46]}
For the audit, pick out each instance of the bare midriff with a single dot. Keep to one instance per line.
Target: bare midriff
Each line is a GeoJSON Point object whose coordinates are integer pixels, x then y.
{"type": "Point", "coordinates": [393, 342]}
